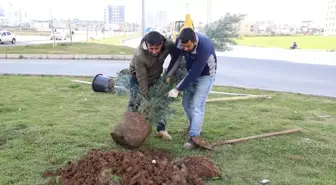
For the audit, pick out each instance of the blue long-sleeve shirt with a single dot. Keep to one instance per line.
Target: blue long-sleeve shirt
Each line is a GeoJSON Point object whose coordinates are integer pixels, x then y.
{"type": "Point", "coordinates": [201, 61]}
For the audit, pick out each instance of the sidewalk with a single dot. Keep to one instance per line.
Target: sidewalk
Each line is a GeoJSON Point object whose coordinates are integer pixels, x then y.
{"type": "Point", "coordinates": [297, 56]}
{"type": "Point", "coordinates": [66, 56]}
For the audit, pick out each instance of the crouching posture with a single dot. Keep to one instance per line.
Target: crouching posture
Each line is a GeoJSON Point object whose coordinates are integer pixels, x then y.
{"type": "Point", "coordinates": [201, 63]}
{"type": "Point", "coordinates": [146, 69]}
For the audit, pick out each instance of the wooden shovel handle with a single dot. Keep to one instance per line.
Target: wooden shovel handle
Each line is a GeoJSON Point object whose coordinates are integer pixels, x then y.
{"type": "Point", "coordinates": [236, 98]}
{"type": "Point", "coordinates": [232, 141]}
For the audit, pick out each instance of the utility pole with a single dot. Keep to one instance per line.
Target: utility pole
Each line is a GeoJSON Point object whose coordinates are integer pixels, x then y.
{"type": "Point", "coordinates": [87, 32]}
{"type": "Point", "coordinates": [125, 24]}
{"type": "Point", "coordinates": [96, 27]}
{"type": "Point", "coordinates": [143, 19]}
{"type": "Point", "coordinates": [52, 27]}
{"type": "Point", "coordinates": [209, 4]}
{"type": "Point", "coordinates": [187, 7]}
{"type": "Point", "coordinates": [70, 31]}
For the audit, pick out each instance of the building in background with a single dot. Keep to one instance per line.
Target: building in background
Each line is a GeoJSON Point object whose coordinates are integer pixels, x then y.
{"type": "Point", "coordinates": [2, 13]}
{"type": "Point", "coordinates": [158, 19]}
{"type": "Point", "coordinates": [161, 19]}
{"type": "Point", "coordinates": [114, 14]}
{"type": "Point", "coordinates": [2, 17]}
{"type": "Point", "coordinates": [330, 28]}
{"type": "Point", "coordinates": [150, 19]}
{"type": "Point", "coordinates": [12, 16]}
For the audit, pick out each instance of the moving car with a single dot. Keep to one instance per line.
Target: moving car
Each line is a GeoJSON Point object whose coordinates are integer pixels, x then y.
{"type": "Point", "coordinates": [7, 37]}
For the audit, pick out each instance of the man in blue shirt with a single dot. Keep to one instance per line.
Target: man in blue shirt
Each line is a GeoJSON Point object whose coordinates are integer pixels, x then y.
{"type": "Point", "coordinates": [201, 64]}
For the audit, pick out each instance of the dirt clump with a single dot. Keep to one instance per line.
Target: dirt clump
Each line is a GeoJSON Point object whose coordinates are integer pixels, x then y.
{"type": "Point", "coordinates": [131, 130]}
{"type": "Point", "coordinates": [202, 167]}
{"type": "Point", "coordinates": [150, 167]}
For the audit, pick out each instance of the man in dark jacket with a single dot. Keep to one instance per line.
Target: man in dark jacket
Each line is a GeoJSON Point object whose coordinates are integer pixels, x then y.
{"type": "Point", "coordinates": [146, 68]}
{"type": "Point", "coordinates": [201, 63]}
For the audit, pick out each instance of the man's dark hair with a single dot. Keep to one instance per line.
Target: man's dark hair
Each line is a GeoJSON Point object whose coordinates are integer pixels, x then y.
{"type": "Point", "coordinates": [154, 38]}
{"type": "Point", "coordinates": [187, 34]}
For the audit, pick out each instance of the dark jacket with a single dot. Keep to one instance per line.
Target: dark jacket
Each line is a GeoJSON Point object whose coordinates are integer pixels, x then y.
{"type": "Point", "coordinates": [201, 61]}
{"type": "Point", "coordinates": [149, 68]}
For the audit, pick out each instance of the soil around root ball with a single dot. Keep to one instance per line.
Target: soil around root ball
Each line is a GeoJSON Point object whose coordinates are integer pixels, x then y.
{"type": "Point", "coordinates": [131, 131]}
{"type": "Point", "coordinates": [150, 167]}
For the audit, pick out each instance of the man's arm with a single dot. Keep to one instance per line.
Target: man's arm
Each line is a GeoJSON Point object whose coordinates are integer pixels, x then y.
{"type": "Point", "coordinates": [141, 74]}
{"type": "Point", "coordinates": [175, 53]}
{"type": "Point", "coordinates": [196, 69]}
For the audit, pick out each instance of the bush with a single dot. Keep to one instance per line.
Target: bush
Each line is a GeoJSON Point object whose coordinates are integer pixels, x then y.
{"type": "Point", "coordinates": [223, 31]}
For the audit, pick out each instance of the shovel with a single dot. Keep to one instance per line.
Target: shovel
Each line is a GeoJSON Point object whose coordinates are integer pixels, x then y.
{"type": "Point", "coordinates": [202, 143]}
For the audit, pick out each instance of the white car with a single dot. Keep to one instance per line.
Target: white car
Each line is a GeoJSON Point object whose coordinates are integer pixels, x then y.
{"type": "Point", "coordinates": [58, 36]}
{"type": "Point", "coordinates": [7, 37]}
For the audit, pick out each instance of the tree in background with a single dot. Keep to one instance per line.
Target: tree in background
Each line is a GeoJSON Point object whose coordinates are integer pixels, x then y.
{"type": "Point", "coordinates": [223, 31]}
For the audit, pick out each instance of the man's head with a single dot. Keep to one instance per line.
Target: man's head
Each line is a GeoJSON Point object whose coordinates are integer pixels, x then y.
{"type": "Point", "coordinates": [188, 39]}
{"type": "Point", "coordinates": [154, 42]}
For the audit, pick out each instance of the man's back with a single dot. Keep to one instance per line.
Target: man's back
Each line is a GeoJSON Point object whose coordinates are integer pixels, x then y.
{"type": "Point", "coordinates": [204, 46]}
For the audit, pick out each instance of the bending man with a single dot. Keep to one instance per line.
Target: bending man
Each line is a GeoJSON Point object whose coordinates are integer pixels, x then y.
{"type": "Point", "coordinates": [201, 63]}
{"type": "Point", "coordinates": [146, 68]}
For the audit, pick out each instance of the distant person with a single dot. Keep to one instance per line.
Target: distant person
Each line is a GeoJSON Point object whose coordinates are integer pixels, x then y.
{"type": "Point", "coordinates": [294, 46]}
{"type": "Point", "coordinates": [146, 68]}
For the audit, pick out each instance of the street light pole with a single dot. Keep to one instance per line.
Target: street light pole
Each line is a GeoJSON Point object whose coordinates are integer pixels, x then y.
{"type": "Point", "coordinates": [187, 7]}
{"type": "Point", "coordinates": [52, 27]}
{"type": "Point", "coordinates": [143, 26]}
{"type": "Point", "coordinates": [209, 5]}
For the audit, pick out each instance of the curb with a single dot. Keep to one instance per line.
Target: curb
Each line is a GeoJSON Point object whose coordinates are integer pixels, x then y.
{"type": "Point", "coordinates": [300, 49]}
{"type": "Point", "coordinates": [66, 56]}
{"type": "Point", "coordinates": [46, 75]}
{"type": "Point", "coordinates": [124, 40]}
{"type": "Point", "coordinates": [52, 75]}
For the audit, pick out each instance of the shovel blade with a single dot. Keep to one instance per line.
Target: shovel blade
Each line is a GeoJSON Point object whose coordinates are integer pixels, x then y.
{"type": "Point", "coordinates": [202, 143]}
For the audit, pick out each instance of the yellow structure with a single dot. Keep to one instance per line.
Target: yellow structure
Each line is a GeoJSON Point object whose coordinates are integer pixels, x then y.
{"type": "Point", "coordinates": [178, 26]}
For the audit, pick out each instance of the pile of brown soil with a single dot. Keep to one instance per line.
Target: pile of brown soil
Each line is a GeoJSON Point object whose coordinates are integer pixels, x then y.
{"type": "Point", "coordinates": [131, 130]}
{"type": "Point", "coordinates": [136, 168]}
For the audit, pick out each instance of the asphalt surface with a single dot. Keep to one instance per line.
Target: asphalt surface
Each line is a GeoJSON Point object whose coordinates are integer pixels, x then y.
{"type": "Point", "coordinates": [304, 56]}
{"type": "Point", "coordinates": [232, 71]}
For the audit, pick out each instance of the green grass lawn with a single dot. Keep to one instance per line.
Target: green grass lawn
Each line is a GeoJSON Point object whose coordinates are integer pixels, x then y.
{"type": "Point", "coordinates": [304, 42]}
{"type": "Point", "coordinates": [47, 121]}
{"type": "Point", "coordinates": [115, 40]}
{"type": "Point", "coordinates": [111, 45]}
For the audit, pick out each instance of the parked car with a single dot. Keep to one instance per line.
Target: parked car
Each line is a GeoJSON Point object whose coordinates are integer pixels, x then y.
{"type": "Point", "coordinates": [58, 36]}
{"type": "Point", "coordinates": [7, 37]}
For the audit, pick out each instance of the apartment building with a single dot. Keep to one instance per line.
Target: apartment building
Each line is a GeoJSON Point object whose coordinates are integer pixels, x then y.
{"type": "Point", "coordinates": [114, 14]}
{"type": "Point", "coordinates": [331, 18]}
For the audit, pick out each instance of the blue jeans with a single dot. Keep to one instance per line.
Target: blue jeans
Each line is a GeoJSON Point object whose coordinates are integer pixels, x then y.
{"type": "Point", "coordinates": [194, 100]}
{"type": "Point", "coordinates": [133, 106]}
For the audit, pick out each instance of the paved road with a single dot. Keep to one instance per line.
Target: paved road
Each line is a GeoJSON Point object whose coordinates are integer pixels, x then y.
{"type": "Point", "coordinates": [239, 72]}
{"type": "Point", "coordinates": [297, 56]}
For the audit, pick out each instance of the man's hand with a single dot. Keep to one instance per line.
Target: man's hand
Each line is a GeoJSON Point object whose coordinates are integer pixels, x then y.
{"type": "Point", "coordinates": [168, 80]}
{"type": "Point", "coordinates": [173, 93]}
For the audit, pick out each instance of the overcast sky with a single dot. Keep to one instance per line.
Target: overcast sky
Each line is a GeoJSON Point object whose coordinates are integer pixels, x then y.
{"type": "Point", "coordinates": [277, 10]}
